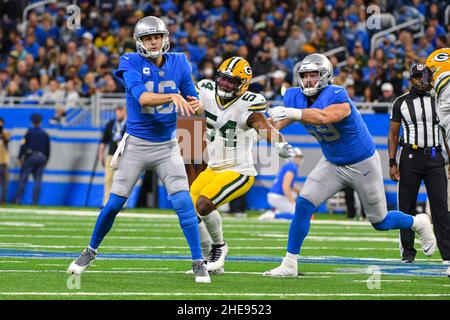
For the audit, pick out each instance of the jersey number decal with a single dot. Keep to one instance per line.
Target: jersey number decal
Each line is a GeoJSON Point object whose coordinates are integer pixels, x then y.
{"type": "Point", "coordinates": [227, 131]}
{"type": "Point", "coordinates": [326, 133]}
{"type": "Point", "coordinates": [208, 85]}
{"type": "Point", "coordinates": [249, 97]}
{"type": "Point", "coordinates": [165, 108]}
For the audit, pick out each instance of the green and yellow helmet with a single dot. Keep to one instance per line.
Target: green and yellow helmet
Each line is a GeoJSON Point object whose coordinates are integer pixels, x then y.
{"type": "Point", "coordinates": [233, 77]}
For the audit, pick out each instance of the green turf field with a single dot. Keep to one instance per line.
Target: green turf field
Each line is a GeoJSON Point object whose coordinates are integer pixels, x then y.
{"type": "Point", "coordinates": [146, 256]}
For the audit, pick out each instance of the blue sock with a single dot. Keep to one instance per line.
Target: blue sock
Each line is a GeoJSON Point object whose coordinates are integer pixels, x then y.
{"type": "Point", "coordinates": [395, 220]}
{"type": "Point", "coordinates": [284, 215]}
{"type": "Point", "coordinates": [183, 206]}
{"type": "Point", "coordinates": [106, 218]}
{"type": "Point", "coordinates": [299, 228]}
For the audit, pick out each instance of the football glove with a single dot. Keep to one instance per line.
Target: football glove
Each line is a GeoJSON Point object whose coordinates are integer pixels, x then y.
{"type": "Point", "coordinates": [281, 113]}
{"type": "Point", "coordinates": [285, 150]}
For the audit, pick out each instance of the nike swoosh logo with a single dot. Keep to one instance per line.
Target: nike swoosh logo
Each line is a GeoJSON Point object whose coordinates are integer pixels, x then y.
{"type": "Point", "coordinates": [365, 174]}
{"type": "Point", "coordinates": [336, 91]}
{"type": "Point", "coordinates": [125, 57]}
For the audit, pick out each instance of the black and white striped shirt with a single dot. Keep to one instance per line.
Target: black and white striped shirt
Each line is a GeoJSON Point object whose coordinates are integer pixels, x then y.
{"type": "Point", "coordinates": [420, 123]}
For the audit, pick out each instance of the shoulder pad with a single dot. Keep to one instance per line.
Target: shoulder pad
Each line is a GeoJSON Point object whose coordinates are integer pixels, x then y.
{"type": "Point", "coordinates": [205, 85]}
{"type": "Point", "coordinates": [257, 102]}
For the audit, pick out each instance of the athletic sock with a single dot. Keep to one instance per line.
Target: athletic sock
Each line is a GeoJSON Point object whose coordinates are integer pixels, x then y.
{"type": "Point", "coordinates": [213, 222]}
{"type": "Point", "coordinates": [395, 220]}
{"type": "Point", "coordinates": [205, 240]}
{"type": "Point", "coordinates": [291, 256]}
{"type": "Point", "coordinates": [106, 219]}
{"type": "Point", "coordinates": [284, 215]}
{"type": "Point", "coordinates": [183, 206]}
{"type": "Point", "coordinates": [299, 228]}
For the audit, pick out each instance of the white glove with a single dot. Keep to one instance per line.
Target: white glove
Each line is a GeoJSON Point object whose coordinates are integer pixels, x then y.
{"type": "Point", "coordinates": [281, 113]}
{"type": "Point", "coordinates": [284, 150]}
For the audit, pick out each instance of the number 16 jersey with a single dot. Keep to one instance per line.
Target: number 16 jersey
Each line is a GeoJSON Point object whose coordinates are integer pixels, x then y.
{"type": "Point", "coordinates": [229, 138]}
{"type": "Point", "coordinates": [345, 142]}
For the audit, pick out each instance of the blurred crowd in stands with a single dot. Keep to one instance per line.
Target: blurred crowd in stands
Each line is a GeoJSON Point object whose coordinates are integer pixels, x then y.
{"type": "Point", "coordinates": [42, 59]}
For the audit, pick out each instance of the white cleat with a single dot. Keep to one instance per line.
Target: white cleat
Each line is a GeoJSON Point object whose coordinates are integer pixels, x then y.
{"type": "Point", "coordinates": [217, 257]}
{"type": "Point", "coordinates": [84, 260]}
{"type": "Point", "coordinates": [200, 272]}
{"type": "Point", "coordinates": [218, 271]}
{"type": "Point", "coordinates": [288, 268]}
{"type": "Point", "coordinates": [422, 225]}
{"type": "Point", "coordinates": [267, 216]}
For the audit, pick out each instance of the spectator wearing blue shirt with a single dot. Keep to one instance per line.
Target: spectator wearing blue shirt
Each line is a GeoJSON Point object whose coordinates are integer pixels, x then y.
{"type": "Point", "coordinates": [35, 93]}
{"type": "Point", "coordinates": [353, 34]}
{"type": "Point", "coordinates": [283, 193]}
{"type": "Point", "coordinates": [46, 30]}
{"type": "Point", "coordinates": [31, 46]}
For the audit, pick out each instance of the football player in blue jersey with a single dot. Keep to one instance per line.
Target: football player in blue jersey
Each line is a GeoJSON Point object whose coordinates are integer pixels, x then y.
{"type": "Point", "coordinates": [350, 159]}
{"type": "Point", "coordinates": [156, 85]}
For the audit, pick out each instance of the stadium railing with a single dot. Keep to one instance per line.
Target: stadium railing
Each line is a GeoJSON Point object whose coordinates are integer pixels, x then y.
{"type": "Point", "coordinates": [408, 24]}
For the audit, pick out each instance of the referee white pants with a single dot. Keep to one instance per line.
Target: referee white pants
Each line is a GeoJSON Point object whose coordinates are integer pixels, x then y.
{"type": "Point", "coordinates": [280, 203]}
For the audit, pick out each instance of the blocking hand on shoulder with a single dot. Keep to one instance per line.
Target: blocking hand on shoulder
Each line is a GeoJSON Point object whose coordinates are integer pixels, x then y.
{"type": "Point", "coordinates": [280, 113]}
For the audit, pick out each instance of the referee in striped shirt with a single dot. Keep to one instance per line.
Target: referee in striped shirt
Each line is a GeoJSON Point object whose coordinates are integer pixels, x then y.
{"type": "Point", "coordinates": [420, 160]}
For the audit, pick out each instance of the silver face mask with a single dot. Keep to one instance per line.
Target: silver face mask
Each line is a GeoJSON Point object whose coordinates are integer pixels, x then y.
{"type": "Point", "coordinates": [147, 26]}
{"type": "Point", "coordinates": [316, 63]}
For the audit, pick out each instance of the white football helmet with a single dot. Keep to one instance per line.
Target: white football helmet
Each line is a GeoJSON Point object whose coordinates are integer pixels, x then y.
{"type": "Point", "coordinates": [319, 63]}
{"type": "Point", "coordinates": [151, 25]}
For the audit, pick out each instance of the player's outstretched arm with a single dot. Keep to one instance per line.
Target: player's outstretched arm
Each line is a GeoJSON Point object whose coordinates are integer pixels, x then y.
{"type": "Point", "coordinates": [150, 99]}
{"type": "Point", "coordinates": [331, 114]}
{"type": "Point", "coordinates": [259, 122]}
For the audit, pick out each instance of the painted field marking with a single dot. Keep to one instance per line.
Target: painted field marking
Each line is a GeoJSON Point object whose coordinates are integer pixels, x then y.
{"type": "Point", "coordinates": [140, 248]}
{"type": "Point", "coordinates": [21, 224]}
{"type": "Point", "coordinates": [261, 238]}
{"type": "Point", "coordinates": [222, 294]}
{"type": "Point", "coordinates": [154, 216]}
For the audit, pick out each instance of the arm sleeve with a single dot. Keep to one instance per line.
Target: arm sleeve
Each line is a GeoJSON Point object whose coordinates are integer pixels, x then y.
{"type": "Point", "coordinates": [48, 148]}
{"type": "Point", "coordinates": [187, 87]}
{"type": "Point", "coordinates": [23, 147]}
{"type": "Point", "coordinates": [134, 84]}
{"type": "Point", "coordinates": [129, 73]}
{"type": "Point", "coordinates": [396, 114]}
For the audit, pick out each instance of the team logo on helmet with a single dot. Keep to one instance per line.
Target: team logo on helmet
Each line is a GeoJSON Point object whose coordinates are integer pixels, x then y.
{"type": "Point", "coordinates": [233, 77]}
{"type": "Point", "coordinates": [442, 56]}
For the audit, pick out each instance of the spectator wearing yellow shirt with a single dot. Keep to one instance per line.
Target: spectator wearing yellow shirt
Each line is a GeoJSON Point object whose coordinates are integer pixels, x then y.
{"type": "Point", "coordinates": [105, 41]}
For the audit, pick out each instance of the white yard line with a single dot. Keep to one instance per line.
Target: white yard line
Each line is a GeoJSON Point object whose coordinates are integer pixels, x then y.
{"type": "Point", "coordinates": [155, 216]}
{"type": "Point", "coordinates": [83, 213]}
{"type": "Point", "coordinates": [383, 280]}
{"type": "Point", "coordinates": [226, 294]}
{"type": "Point", "coordinates": [21, 224]}
{"type": "Point", "coordinates": [136, 248]}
